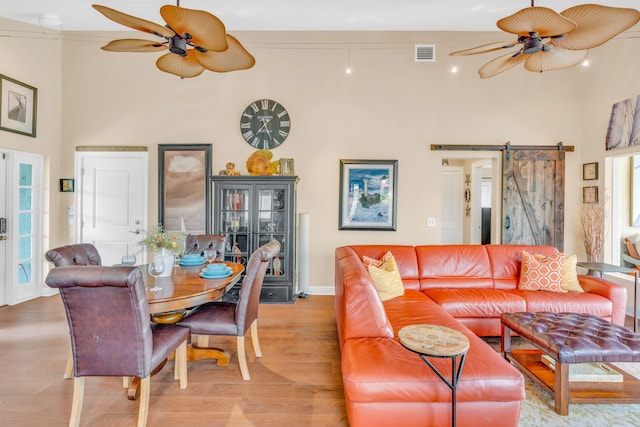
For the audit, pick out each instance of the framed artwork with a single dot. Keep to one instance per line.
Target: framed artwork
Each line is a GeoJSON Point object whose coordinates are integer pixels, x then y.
{"type": "Point", "coordinates": [590, 194]}
{"type": "Point", "coordinates": [18, 106]}
{"type": "Point", "coordinates": [66, 185]}
{"type": "Point", "coordinates": [368, 194]}
{"type": "Point", "coordinates": [184, 187]}
{"type": "Point", "coordinates": [624, 124]}
{"type": "Point", "coordinates": [590, 171]}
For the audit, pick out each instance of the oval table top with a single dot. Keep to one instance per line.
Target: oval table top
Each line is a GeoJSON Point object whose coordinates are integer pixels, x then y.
{"type": "Point", "coordinates": [433, 340]}
{"type": "Point", "coordinates": [185, 288]}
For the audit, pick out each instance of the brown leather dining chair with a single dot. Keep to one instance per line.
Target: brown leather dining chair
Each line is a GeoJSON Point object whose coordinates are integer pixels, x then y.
{"type": "Point", "coordinates": [77, 254]}
{"type": "Point", "coordinates": [111, 334]}
{"type": "Point", "coordinates": [236, 318]}
{"type": "Point", "coordinates": [197, 243]}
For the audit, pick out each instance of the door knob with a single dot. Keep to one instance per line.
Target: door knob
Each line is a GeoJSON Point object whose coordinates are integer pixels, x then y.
{"type": "Point", "coordinates": [136, 231]}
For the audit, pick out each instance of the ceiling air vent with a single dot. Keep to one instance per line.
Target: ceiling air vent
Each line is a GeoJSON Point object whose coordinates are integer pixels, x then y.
{"type": "Point", "coordinates": [425, 53]}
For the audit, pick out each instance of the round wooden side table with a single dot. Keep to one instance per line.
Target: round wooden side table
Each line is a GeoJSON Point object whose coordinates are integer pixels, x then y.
{"type": "Point", "coordinates": [438, 341]}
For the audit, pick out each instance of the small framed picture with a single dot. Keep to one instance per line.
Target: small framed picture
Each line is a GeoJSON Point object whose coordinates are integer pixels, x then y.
{"type": "Point", "coordinates": [66, 185]}
{"type": "Point", "coordinates": [590, 194]}
{"type": "Point", "coordinates": [18, 102]}
{"type": "Point", "coordinates": [590, 171]}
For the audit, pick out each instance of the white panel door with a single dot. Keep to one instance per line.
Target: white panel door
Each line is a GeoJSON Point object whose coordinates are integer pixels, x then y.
{"type": "Point", "coordinates": [113, 195]}
{"type": "Point", "coordinates": [452, 195]}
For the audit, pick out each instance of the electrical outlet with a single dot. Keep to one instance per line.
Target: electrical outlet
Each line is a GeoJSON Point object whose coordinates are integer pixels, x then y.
{"type": "Point", "coordinates": [431, 222]}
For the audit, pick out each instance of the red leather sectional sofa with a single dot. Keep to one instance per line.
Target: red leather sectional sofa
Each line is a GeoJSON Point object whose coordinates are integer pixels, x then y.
{"type": "Point", "coordinates": [464, 287]}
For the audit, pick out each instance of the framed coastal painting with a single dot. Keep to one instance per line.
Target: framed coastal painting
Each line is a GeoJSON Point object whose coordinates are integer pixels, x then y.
{"type": "Point", "coordinates": [184, 187]}
{"type": "Point", "coordinates": [368, 197]}
{"type": "Point", "coordinates": [18, 106]}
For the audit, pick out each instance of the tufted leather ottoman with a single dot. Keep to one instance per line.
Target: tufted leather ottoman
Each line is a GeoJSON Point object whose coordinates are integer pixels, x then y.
{"type": "Point", "coordinates": [572, 338]}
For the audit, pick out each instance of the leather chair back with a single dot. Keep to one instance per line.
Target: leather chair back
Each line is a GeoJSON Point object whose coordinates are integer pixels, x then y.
{"type": "Point", "coordinates": [249, 296]}
{"type": "Point", "coordinates": [108, 317]}
{"type": "Point", "coordinates": [197, 243]}
{"type": "Point", "coordinates": [76, 254]}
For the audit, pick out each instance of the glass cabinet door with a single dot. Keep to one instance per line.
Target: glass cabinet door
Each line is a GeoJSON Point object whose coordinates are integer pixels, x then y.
{"type": "Point", "coordinates": [272, 223]}
{"type": "Point", "coordinates": [236, 223]}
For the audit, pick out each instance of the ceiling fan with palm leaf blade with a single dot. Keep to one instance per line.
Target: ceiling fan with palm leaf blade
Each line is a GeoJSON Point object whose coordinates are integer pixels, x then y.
{"type": "Point", "coordinates": [196, 41]}
{"type": "Point", "coordinates": [548, 40]}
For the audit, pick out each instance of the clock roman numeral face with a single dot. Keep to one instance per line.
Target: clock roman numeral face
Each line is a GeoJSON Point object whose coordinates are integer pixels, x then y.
{"type": "Point", "coordinates": [265, 124]}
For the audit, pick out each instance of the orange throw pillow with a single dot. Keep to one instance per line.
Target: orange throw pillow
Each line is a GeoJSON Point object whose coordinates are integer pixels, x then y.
{"type": "Point", "coordinates": [570, 280]}
{"type": "Point", "coordinates": [541, 275]}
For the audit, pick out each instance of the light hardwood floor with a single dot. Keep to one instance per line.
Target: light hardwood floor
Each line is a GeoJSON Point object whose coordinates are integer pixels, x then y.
{"type": "Point", "coordinates": [297, 382]}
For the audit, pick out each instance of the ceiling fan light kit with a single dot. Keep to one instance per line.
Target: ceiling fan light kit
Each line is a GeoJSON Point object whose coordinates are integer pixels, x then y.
{"type": "Point", "coordinates": [196, 40]}
{"type": "Point", "coordinates": [548, 40]}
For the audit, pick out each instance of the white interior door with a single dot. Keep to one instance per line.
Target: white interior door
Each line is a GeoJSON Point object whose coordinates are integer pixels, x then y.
{"type": "Point", "coordinates": [452, 210]}
{"type": "Point", "coordinates": [113, 194]}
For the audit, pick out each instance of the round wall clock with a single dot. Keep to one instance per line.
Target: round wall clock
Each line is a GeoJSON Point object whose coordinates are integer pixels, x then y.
{"type": "Point", "coordinates": [265, 124]}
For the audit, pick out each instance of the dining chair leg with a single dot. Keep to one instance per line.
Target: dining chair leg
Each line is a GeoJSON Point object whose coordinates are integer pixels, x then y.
{"type": "Point", "coordinates": [255, 339]}
{"type": "Point", "coordinates": [181, 365]}
{"type": "Point", "coordinates": [143, 412]}
{"type": "Point", "coordinates": [68, 369]}
{"type": "Point", "coordinates": [76, 406]}
{"type": "Point", "coordinates": [203, 341]}
{"type": "Point", "coordinates": [242, 359]}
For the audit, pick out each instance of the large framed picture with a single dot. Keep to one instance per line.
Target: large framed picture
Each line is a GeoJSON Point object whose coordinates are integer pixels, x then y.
{"type": "Point", "coordinates": [18, 106]}
{"type": "Point", "coordinates": [368, 194]}
{"type": "Point", "coordinates": [184, 187]}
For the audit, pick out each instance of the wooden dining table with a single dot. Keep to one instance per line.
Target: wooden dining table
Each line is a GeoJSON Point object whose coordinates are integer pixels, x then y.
{"type": "Point", "coordinates": [185, 289]}
{"type": "Point", "coordinates": [182, 290]}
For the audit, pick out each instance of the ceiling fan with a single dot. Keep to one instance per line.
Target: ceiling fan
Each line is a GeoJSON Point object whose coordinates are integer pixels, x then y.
{"type": "Point", "coordinates": [548, 40]}
{"type": "Point", "coordinates": [196, 41]}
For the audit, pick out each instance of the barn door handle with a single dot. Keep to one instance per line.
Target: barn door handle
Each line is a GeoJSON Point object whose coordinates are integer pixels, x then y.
{"type": "Point", "coordinates": [507, 222]}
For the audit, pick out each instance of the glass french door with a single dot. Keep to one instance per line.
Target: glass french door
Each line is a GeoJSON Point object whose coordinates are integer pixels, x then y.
{"type": "Point", "coordinates": [23, 225]}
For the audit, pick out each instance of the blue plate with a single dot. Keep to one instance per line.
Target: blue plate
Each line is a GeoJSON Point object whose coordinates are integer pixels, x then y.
{"type": "Point", "coordinates": [188, 262]}
{"type": "Point", "coordinates": [221, 269]}
{"type": "Point", "coordinates": [206, 275]}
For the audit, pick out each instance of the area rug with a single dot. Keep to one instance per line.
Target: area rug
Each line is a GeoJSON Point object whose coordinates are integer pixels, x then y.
{"type": "Point", "coordinates": [537, 410]}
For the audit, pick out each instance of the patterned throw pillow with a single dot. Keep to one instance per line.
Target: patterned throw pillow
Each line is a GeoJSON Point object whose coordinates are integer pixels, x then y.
{"type": "Point", "coordinates": [569, 274]}
{"type": "Point", "coordinates": [541, 275]}
{"type": "Point", "coordinates": [385, 275]}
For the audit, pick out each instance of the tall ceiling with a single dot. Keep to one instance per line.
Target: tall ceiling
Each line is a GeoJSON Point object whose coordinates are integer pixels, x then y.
{"type": "Point", "coordinates": [293, 15]}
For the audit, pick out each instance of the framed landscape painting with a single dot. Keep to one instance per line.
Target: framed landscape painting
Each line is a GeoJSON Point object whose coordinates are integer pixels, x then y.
{"type": "Point", "coordinates": [368, 194]}
{"type": "Point", "coordinates": [184, 195]}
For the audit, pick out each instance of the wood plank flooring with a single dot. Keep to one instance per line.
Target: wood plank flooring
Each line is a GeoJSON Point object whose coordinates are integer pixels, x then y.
{"type": "Point", "coordinates": [297, 382]}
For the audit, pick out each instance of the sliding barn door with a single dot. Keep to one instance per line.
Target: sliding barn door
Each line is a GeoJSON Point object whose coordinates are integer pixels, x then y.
{"type": "Point", "coordinates": [533, 197]}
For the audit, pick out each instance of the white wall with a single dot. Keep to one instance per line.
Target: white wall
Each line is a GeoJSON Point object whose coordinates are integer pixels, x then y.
{"type": "Point", "coordinates": [389, 108]}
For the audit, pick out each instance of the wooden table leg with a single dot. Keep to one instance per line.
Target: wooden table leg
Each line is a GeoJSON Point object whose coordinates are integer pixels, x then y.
{"type": "Point", "coordinates": [199, 353]}
{"type": "Point", "coordinates": [561, 388]}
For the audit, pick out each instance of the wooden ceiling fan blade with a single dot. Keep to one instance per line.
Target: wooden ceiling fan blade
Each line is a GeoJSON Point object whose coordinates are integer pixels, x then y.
{"type": "Point", "coordinates": [489, 47]}
{"type": "Point", "coordinates": [205, 29]}
{"type": "Point", "coordinates": [542, 20]}
{"type": "Point", "coordinates": [181, 66]}
{"type": "Point", "coordinates": [554, 59]}
{"type": "Point", "coordinates": [596, 25]}
{"type": "Point", "coordinates": [133, 22]}
{"type": "Point", "coordinates": [500, 64]}
{"type": "Point", "coordinates": [134, 45]}
{"type": "Point", "coordinates": [234, 58]}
